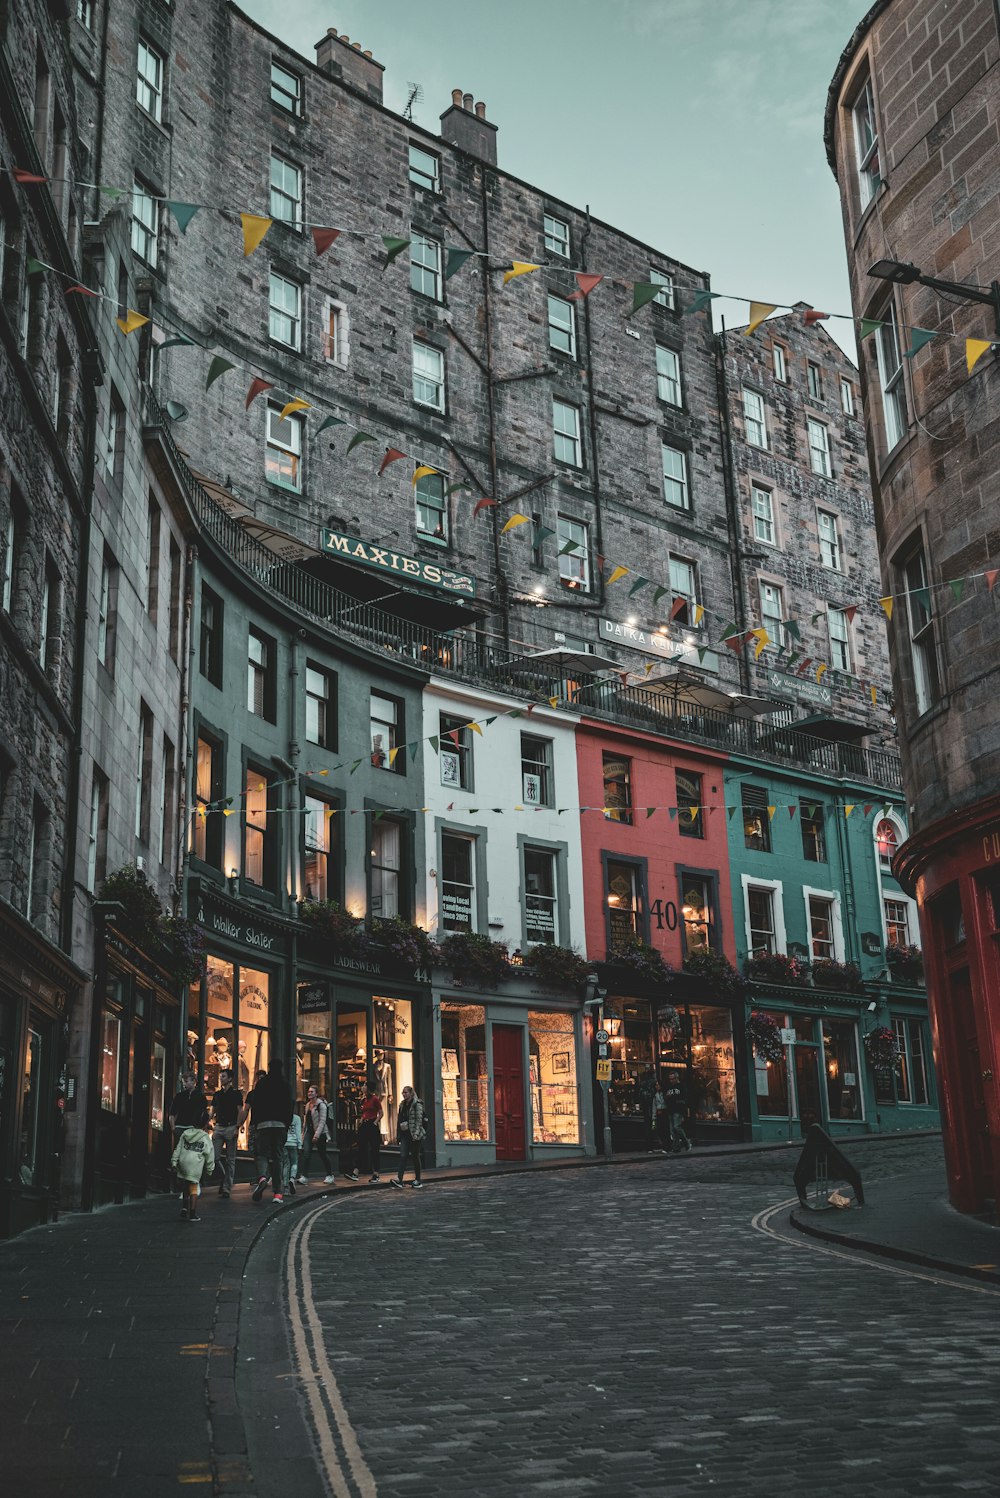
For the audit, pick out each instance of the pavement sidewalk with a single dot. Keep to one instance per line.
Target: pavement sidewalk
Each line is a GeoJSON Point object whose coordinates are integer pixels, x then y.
{"type": "Point", "coordinates": [909, 1218]}
{"type": "Point", "coordinates": [119, 1332]}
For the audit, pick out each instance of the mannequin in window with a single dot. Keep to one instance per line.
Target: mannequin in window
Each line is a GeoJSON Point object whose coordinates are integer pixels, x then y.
{"type": "Point", "coordinates": [244, 1070]}
{"type": "Point", "coordinates": [383, 1084]}
{"type": "Point", "coordinates": [223, 1057]}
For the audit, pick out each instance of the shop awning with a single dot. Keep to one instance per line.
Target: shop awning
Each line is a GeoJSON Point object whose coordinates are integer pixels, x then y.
{"type": "Point", "coordinates": [829, 726]}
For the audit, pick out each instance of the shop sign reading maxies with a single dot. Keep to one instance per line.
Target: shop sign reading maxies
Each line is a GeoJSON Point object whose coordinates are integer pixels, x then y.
{"type": "Point", "coordinates": [384, 559]}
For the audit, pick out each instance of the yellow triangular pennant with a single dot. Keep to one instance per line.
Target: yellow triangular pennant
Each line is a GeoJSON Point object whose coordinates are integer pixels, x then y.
{"type": "Point", "coordinates": [518, 268]}
{"type": "Point", "coordinates": [553, 702]}
{"type": "Point", "coordinates": [763, 640]}
{"type": "Point", "coordinates": [514, 522]}
{"type": "Point", "coordinates": [975, 348]}
{"type": "Point", "coordinates": [758, 312]}
{"type": "Point", "coordinates": [874, 692]}
{"type": "Point", "coordinates": [421, 472]}
{"type": "Point", "coordinates": [849, 808]}
{"type": "Point", "coordinates": [392, 755]}
{"type": "Point", "coordinates": [229, 811]}
{"type": "Point", "coordinates": [131, 321]}
{"type": "Point", "coordinates": [770, 813]}
{"type": "Point", "coordinates": [886, 604]}
{"type": "Point", "coordinates": [699, 614]}
{"type": "Point", "coordinates": [476, 729]}
{"type": "Point", "coordinates": [694, 810]}
{"type": "Point", "coordinates": [618, 573]}
{"type": "Point", "coordinates": [254, 229]}
{"type": "Point", "coordinates": [819, 671]}
{"type": "Point", "coordinates": [295, 405]}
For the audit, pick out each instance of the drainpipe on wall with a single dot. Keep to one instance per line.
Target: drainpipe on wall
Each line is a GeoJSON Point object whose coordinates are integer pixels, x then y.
{"type": "Point", "coordinates": [732, 507]}
{"type": "Point", "coordinates": [852, 945]}
{"type": "Point", "coordinates": [503, 591]}
{"type": "Point", "coordinates": [183, 718]}
{"type": "Point", "coordinates": [592, 421]}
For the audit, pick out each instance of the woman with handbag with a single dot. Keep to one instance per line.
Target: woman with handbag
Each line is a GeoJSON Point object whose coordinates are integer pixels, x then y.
{"type": "Point", "coordinates": [315, 1134]}
{"type": "Point", "coordinates": [411, 1131]}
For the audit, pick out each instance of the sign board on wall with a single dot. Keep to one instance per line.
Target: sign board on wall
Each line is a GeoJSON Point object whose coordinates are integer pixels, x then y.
{"type": "Point", "coordinates": [655, 642]}
{"type": "Point", "coordinates": [314, 998]}
{"type": "Point", "coordinates": [384, 559]}
{"type": "Point", "coordinates": [798, 686]}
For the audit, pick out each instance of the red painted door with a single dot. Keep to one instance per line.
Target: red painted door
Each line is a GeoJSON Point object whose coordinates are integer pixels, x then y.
{"type": "Point", "coordinates": [508, 1091]}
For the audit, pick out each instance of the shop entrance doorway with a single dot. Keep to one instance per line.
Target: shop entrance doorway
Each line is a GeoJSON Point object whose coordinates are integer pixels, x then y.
{"type": "Point", "coordinates": [352, 1066]}
{"type": "Point", "coordinates": [508, 1091]}
{"type": "Point", "coordinates": [807, 1086]}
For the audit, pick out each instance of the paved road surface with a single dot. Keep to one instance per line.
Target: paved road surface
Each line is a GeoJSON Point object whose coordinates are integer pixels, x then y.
{"type": "Point", "coordinates": [614, 1333]}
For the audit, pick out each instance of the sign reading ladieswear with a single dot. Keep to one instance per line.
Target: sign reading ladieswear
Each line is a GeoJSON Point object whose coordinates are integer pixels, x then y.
{"type": "Point", "coordinates": [655, 642]}
{"type": "Point", "coordinates": [384, 559]}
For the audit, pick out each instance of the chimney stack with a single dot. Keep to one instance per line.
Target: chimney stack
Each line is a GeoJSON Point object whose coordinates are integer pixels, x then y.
{"type": "Point", "coordinates": [341, 58]}
{"type": "Point", "coordinates": [468, 128]}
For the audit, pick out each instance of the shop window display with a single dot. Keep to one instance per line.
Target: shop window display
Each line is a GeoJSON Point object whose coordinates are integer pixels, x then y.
{"type": "Point", "coordinates": [312, 1057]}
{"type": "Point", "coordinates": [392, 1058]}
{"type": "Point", "coordinates": [352, 1074]}
{"type": "Point", "coordinates": [464, 1072]}
{"type": "Point", "coordinates": [552, 1060]}
{"type": "Point", "coordinates": [713, 1069]}
{"type": "Point", "coordinates": [629, 1022]}
{"type": "Point", "coordinates": [695, 1046]}
{"type": "Point", "coordinates": [111, 1039]}
{"type": "Point", "coordinates": [236, 1027]}
{"type": "Point", "coordinates": [30, 1116]}
{"type": "Point", "coordinates": [840, 1058]}
{"type": "Point", "coordinates": [157, 1090]}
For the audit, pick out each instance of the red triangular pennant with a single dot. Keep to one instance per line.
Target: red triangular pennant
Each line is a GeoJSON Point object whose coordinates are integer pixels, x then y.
{"type": "Point", "coordinates": [452, 734]}
{"type": "Point", "coordinates": [810, 316]}
{"type": "Point", "coordinates": [257, 387]}
{"type": "Point", "coordinates": [991, 577]}
{"type": "Point", "coordinates": [850, 611]}
{"type": "Point", "coordinates": [392, 455]}
{"type": "Point", "coordinates": [26, 179]}
{"type": "Point", "coordinates": [483, 504]}
{"type": "Point", "coordinates": [324, 238]}
{"type": "Point", "coordinates": [586, 283]}
{"type": "Point", "coordinates": [80, 290]}
{"type": "Point", "coordinates": [677, 607]}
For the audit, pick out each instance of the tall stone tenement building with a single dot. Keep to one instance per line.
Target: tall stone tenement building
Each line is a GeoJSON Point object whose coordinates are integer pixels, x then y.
{"type": "Point", "coordinates": [223, 632]}
{"type": "Point", "coordinates": [913, 137]}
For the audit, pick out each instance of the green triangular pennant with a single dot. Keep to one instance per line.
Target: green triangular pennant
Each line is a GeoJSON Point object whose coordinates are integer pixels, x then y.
{"type": "Point", "coordinates": [731, 810]}
{"type": "Point", "coordinates": [542, 533]}
{"type": "Point", "coordinates": [330, 421]}
{"type": "Point", "coordinates": [570, 546]}
{"type": "Point", "coordinates": [923, 597]}
{"type": "Point", "coordinates": [355, 765]}
{"type": "Point", "coordinates": [673, 813]}
{"type": "Point", "coordinates": [414, 749]}
{"type": "Point", "coordinates": [455, 260]}
{"type": "Point", "coordinates": [393, 247]}
{"type": "Point", "coordinates": [699, 301]}
{"type": "Point", "coordinates": [488, 721]}
{"type": "Point", "coordinates": [869, 325]}
{"type": "Point", "coordinates": [702, 652]}
{"type": "Point", "coordinates": [217, 368]}
{"type": "Point", "coordinates": [179, 340]}
{"type": "Point", "coordinates": [644, 292]}
{"type": "Point", "coordinates": [918, 337]}
{"type": "Point", "coordinates": [433, 741]}
{"type": "Point", "coordinates": [359, 437]}
{"type": "Point", "coordinates": [658, 595]}
{"type": "Point", "coordinates": [34, 267]}
{"type": "Point", "coordinates": [183, 213]}
{"type": "Point", "coordinates": [649, 812]}
{"type": "Point", "coordinates": [114, 193]}
{"type": "Point", "coordinates": [640, 582]}
{"type": "Point", "coordinates": [792, 628]}
{"type": "Point", "coordinates": [453, 487]}
{"type": "Point", "coordinates": [957, 586]}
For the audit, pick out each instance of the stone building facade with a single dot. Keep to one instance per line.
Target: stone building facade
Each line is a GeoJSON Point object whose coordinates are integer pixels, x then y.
{"type": "Point", "coordinates": [913, 137]}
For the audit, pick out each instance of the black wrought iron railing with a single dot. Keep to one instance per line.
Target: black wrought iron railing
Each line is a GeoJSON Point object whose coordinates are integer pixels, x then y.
{"type": "Point", "coordinates": [475, 656]}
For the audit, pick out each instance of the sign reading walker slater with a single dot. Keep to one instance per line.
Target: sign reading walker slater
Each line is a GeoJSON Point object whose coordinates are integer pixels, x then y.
{"type": "Point", "coordinates": [384, 559]}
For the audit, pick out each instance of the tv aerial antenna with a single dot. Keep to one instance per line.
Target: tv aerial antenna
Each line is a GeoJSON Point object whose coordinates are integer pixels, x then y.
{"type": "Point", "coordinates": [416, 94]}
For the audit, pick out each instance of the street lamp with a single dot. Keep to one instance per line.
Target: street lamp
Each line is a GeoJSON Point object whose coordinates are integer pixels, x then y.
{"type": "Point", "coordinates": [902, 273]}
{"type": "Point", "coordinates": [593, 997]}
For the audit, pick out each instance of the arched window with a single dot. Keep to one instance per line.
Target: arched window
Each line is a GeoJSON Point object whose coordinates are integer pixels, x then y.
{"type": "Point", "coordinates": [886, 840]}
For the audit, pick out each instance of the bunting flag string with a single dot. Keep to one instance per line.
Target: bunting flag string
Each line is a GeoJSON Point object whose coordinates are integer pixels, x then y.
{"type": "Point", "coordinates": [707, 808]}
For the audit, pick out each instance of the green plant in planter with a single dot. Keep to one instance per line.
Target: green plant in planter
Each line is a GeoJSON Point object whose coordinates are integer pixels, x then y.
{"type": "Point", "coordinates": [777, 967]}
{"type": "Point", "coordinates": [185, 947]}
{"type": "Point", "coordinates": [718, 972]}
{"type": "Point", "coordinates": [844, 976]}
{"type": "Point", "coordinates": [642, 960]}
{"type": "Point", "coordinates": [474, 958]}
{"type": "Point", "coordinates": [555, 966]}
{"type": "Point", "coordinates": [905, 963]}
{"type": "Point", "coordinates": [406, 942]}
{"type": "Point", "coordinates": [130, 889]}
{"type": "Point", "coordinates": [345, 933]}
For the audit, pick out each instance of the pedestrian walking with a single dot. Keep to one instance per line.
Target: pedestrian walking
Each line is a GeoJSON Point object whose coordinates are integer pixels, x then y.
{"type": "Point", "coordinates": [227, 1104]}
{"type": "Point", "coordinates": [369, 1134]}
{"type": "Point", "coordinates": [194, 1161]}
{"type": "Point", "coordinates": [290, 1156]}
{"type": "Point", "coordinates": [677, 1110]}
{"type": "Point", "coordinates": [316, 1131]}
{"type": "Point", "coordinates": [411, 1132]}
{"type": "Point", "coordinates": [270, 1108]}
{"type": "Point", "coordinates": [187, 1108]}
{"type": "Point", "coordinates": [661, 1122]}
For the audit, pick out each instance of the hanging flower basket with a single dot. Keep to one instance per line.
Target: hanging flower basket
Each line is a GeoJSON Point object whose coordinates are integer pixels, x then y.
{"type": "Point", "coordinates": [882, 1049]}
{"type": "Point", "coordinates": [764, 1035]}
{"type": "Point", "coordinates": [668, 1019]}
{"type": "Point", "coordinates": [906, 964]}
{"type": "Point", "coordinates": [555, 966]}
{"type": "Point", "coordinates": [184, 945]}
{"type": "Point", "coordinates": [173, 942]}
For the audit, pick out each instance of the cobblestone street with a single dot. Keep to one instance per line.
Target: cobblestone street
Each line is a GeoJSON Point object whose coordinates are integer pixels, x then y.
{"type": "Point", "coordinates": [630, 1332]}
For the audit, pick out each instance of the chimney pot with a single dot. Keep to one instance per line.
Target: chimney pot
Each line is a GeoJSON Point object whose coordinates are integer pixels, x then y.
{"type": "Point", "coordinates": [456, 97]}
{"type": "Point", "coordinates": [467, 102]}
{"type": "Point", "coordinates": [344, 37]}
{"type": "Point", "coordinates": [356, 46]}
{"type": "Point", "coordinates": [366, 54]}
{"type": "Point", "coordinates": [480, 111]}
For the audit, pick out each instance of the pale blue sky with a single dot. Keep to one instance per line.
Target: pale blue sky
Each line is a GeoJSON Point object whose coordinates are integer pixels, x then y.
{"type": "Point", "coordinates": [696, 125]}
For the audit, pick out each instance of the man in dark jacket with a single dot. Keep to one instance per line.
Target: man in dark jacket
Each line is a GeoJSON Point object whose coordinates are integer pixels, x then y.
{"type": "Point", "coordinates": [675, 1096]}
{"type": "Point", "coordinates": [270, 1107]}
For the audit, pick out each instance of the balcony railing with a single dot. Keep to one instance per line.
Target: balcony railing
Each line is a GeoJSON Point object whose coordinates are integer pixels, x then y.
{"type": "Point", "coordinates": [476, 657]}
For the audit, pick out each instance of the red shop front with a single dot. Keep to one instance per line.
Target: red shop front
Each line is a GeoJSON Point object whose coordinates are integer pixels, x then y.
{"type": "Point", "coordinates": [953, 868]}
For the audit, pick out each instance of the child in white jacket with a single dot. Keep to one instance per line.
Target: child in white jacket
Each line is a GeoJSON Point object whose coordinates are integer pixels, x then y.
{"type": "Point", "coordinates": [194, 1162]}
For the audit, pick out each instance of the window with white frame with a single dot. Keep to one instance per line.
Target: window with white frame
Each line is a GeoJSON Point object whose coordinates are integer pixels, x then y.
{"type": "Point", "coordinates": [574, 553]}
{"type": "Point", "coordinates": [866, 143]}
{"type": "Point", "coordinates": [556, 233]}
{"type": "Point", "coordinates": [890, 376]}
{"type": "Point", "coordinates": [385, 868]}
{"type": "Point", "coordinates": [566, 443]}
{"type": "Point", "coordinates": [841, 652]}
{"type": "Point", "coordinates": [541, 918]}
{"type": "Point", "coordinates": [911, 1078]}
{"type": "Point", "coordinates": [779, 363]}
{"type": "Point", "coordinates": [316, 863]}
{"type": "Point", "coordinates": [819, 448]}
{"type": "Point", "coordinates": [145, 225]}
{"type": "Point", "coordinates": [753, 417]}
{"type": "Point", "coordinates": [886, 841]}
{"type": "Point", "coordinates": [814, 378]}
{"type": "Point", "coordinates": [428, 376]}
{"type": "Point", "coordinates": [897, 923]}
{"type": "Point", "coordinates": [847, 397]}
{"type": "Point", "coordinates": [260, 675]}
{"type": "Point", "coordinates": [762, 505]}
{"type": "Point", "coordinates": [772, 612]}
{"type": "Point", "coordinates": [665, 281]}
{"type": "Point", "coordinates": [425, 266]}
{"type": "Point", "coordinates": [668, 375]}
{"type": "Point", "coordinates": [285, 311]}
{"type": "Point", "coordinates": [458, 882]}
{"type": "Point", "coordinates": [822, 933]}
{"type": "Point", "coordinates": [286, 89]}
{"type": "Point", "coordinates": [455, 752]}
{"type": "Point", "coordinates": [675, 479]}
{"type": "Point", "coordinates": [536, 771]}
{"type": "Point", "coordinates": [762, 925]}
{"type": "Point", "coordinates": [149, 80]}
{"type": "Point", "coordinates": [286, 191]}
{"type": "Point", "coordinates": [425, 169]}
{"type": "Point", "coordinates": [682, 585]}
{"type": "Point", "coordinates": [283, 450]}
{"type": "Point", "coordinates": [829, 539]}
{"type": "Point", "coordinates": [562, 326]}
{"type": "Point", "coordinates": [85, 13]}
{"type": "Point", "coordinates": [920, 622]}
{"type": "Point", "coordinates": [432, 507]}
{"type": "Point", "coordinates": [98, 831]}
{"type": "Point", "coordinates": [337, 331]}
{"type": "Point", "coordinates": [321, 706]}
